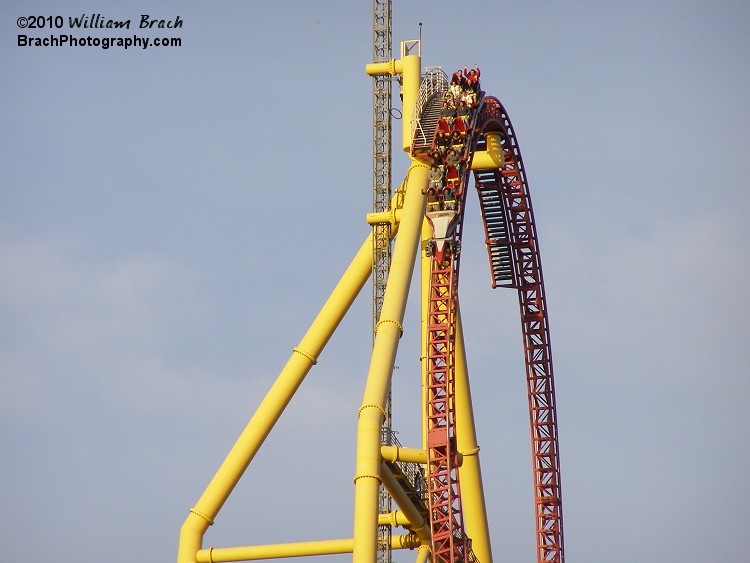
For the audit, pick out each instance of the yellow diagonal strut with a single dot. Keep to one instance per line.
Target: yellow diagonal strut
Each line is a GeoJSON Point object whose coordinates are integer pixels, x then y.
{"type": "Point", "coordinates": [272, 406]}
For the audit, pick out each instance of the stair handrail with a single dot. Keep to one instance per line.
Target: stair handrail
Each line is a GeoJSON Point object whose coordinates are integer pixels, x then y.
{"type": "Point", "coordinates": [434, 80]}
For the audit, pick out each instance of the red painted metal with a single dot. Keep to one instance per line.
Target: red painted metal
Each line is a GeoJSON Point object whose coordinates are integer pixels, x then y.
{"type": "Point", "coordinates": [515, 262]}
{"type": "Point", "coordinates": [539, 377]}
{"type": "Point", "coordinates": [449, 543]}
{"type": "Point", "coordinates": [511, 204]}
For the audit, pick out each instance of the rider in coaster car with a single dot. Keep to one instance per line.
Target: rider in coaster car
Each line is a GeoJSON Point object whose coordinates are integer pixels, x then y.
{"type": "Point", "coordinates": [457, 85]}
{"type": "Point", "coordinates": [447, 111]}
{"type": "Point", "coordinates": [435, 176]}
{"type": "Point", "coordinates": [436, 155]}
{"type": "Point", "coordinates": [443, 139]}
{"type": "Point", "coordinates": [447, 115]}
{"type": "Point", "coordinates": [472, 78]}
{"type": "Point", "coordinates": [453, 159]}
{"type": "Point", "coordinates": [463, 112]}
{"type": "Point", "coordinates": [457, 141]}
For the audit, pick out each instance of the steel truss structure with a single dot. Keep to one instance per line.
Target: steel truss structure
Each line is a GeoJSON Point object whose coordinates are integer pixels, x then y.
{"type": "Point", "coordinates": [381, 199]}
{"type": "Point", "coordinates": [437, 485]}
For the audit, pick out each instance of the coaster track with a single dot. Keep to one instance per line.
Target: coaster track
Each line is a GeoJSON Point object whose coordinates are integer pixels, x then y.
{"type": "Point", "coordinates": [431, 505]}
{"type": "Point", "coordinates": [510, 236]}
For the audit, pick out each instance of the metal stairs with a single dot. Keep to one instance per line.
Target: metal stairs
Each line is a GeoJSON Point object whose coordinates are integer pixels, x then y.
{"type": "Point", "coordinates": [496, 228]}
{"type": "Point", "coordinates": [427, 124]}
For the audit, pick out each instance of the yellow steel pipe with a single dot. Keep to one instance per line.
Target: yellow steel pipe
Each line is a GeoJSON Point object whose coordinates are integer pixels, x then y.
{"type": "Point", "coordinates": [417, 523]}
{"type": "Point", "coordinates": [298, 549]}
{"type": "Point", "coordinates": [410, 67]}
{"type": "Point", "coordinates": [470, 472]}
{"type": "Point", "coordinates": [391, 217]}
{"type": "Point", "coordinates": [393, 519]}
{"type": "Point", "coordinates": [387, 334]}
{"type": "Point", "coordinates": [302, 359]}
{"type": "Point", "coordinates": [408, 455]}
{"type": "Point", "coordinates": [392, 67]}
{"type": "Point", "coordinates": [412, 74]}
{"type": "Point", "coordinates": [425, 263]}
{"type": "Point", "coordinates": [423, 554]}
{"type": "Point", "coordinates": [492, 157]}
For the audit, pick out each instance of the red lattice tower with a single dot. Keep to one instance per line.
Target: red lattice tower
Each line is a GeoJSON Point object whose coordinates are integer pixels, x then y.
{"type": "Point", "coordinates": [449, 541]}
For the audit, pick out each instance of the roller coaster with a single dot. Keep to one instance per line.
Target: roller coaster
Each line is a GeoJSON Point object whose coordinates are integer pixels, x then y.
{"type": "Point", "coordinates": [437, 485]}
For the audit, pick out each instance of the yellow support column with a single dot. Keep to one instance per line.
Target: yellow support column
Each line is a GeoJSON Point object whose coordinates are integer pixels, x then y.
{"type": "Point", "coordinates": [274, 403]}
{"type": "Point", "coordinates": [470, 472]}
{"type": "Point", "coordinates": [412, 74]}
{"type": "Point", "coordinates": [389, 328]}
{"type": "Point", "coordinates": [388, 332]}
{"type": "Point", "coordinates": [410, 67]}
{"type": "Point", "coordinates": [424, 302]}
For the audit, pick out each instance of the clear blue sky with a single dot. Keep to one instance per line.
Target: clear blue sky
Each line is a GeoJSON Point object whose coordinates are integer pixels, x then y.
{"type": "Point", "coordinates": [171, 220]}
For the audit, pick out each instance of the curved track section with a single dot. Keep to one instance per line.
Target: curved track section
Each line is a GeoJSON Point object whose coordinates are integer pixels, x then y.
{"type": "Point", "coordinates": [445, 213]}
{"type": "Point", "coordinates": [514, 262]}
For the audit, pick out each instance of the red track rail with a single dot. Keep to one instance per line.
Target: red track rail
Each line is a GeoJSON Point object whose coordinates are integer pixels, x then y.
{"type": "Point", "coordinates": [515, 262]}
{"type": "Point", "coordinates": [510, 188]}
{"type": "Point", "coordinates": [449, 543]}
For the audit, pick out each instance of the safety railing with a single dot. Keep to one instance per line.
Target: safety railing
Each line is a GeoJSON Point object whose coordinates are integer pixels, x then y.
{"type": "Point", "coordinates": [434, 80]}
{"type": "Point", "coordinates": [412, 472]}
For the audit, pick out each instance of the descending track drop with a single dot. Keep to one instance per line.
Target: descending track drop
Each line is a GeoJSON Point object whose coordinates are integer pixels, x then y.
{"type": "Point", "coordinates": [513, 252]}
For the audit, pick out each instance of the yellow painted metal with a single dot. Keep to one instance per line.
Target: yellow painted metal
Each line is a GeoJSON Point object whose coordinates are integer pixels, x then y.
{"type": "Point", "coordinates": [299, 549]}
{"type": "Point", "coordinates": [409, 455]}
{"type": "Point", "coordinates": [424, 305]}
{"type": "Point", "coordinates": [417, 523]}
{"type": "Point", "coordinates": [388, 332]}
{"type": "Point", "coordinates": [412, 77]}
{"type": "Point", "coordinates": [393, 519]}
{"type": "Point", "coordinates": [392, 216]}
{"type": "Point", "coordinates": [423, 554]}
{"type": "Point", "coordinates": [392, 67]}
{"type": "Point", "coordinates": [410, 67]}
{"type": "Point", "coordinates": [406, 217]}
{"type": "Point", "coordinates": [470, 472]}
{"type": "Point", "coordinates": [274, 403]}
{"type": "Point", "coordinates": [492, 157]}
{"type": "Point", "coordinates": [412, 455]}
